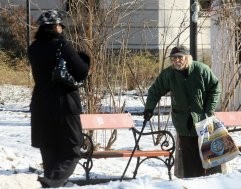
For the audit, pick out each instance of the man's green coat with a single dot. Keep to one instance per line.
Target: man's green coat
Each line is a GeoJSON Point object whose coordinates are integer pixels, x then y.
{"type": "Point", "coordinates": [195, 95]}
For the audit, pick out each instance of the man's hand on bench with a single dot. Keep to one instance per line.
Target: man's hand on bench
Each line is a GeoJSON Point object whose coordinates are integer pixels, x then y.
{"type": "Point", "coordinates": [147, 114]}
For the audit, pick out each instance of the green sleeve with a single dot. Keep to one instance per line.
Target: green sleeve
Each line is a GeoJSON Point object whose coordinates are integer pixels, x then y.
{"type": "Point", "coordinates": [158, 89]}
{"type": "Point", "coordinates": [213, 91]}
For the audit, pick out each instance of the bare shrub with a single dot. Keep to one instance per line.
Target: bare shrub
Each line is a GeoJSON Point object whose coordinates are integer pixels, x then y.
{"type": "Point", "coordinates": [13, 30]}
{"type": "Point", "coordinates": [142, 70]}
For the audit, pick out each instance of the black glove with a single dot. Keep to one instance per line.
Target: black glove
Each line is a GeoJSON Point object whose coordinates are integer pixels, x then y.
{"type": "Point", "coordinates": [209, 114]}
{"type": "Point", "coordinates": [147, 114]}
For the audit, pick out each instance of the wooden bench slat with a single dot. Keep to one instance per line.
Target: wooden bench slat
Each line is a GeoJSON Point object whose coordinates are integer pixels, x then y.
{"type": "Point", "coordinates": [230, 119]}
{"type": "Point", "coordinates": [127, 153]}
{"type": "Point", "coordinates": [106, 121]}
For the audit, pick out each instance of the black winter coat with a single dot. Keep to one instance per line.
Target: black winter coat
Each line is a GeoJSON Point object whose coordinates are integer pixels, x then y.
{"type": "Point", "coordinates": [54, 109]}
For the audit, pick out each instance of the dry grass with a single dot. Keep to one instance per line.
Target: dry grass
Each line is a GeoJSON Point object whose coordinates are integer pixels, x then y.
{"type": "Point", "coordinates": [14, 70]}
{"type": "Point", "coordinates": [14, 77]}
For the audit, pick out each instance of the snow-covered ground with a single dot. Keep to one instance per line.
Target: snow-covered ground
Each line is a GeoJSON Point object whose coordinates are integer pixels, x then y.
{"type": "Point", "coordinates": [16, 154]}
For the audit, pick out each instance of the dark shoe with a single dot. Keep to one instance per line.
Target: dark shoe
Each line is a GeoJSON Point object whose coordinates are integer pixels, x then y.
{"type": "Point", "coordinates": [51, 183]}
{"type": "Point", "coordinates": [43, 182]}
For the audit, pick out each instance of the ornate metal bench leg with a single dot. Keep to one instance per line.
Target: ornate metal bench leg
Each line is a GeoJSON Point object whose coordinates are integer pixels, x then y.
{"type": "Point", "coordinates": [137, 167]}
{"type": "Point", "coordinates": [169, 163]}
{"type": "Point", "coordinates": [169, 174]}
{"type": "Point", "coordinates": [86, 153]}
{"type": "Point", "coordinates": [87, 167]}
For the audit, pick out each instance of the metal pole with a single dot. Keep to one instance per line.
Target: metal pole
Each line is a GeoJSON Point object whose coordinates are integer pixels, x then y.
{"type": "Point", "coordinates": [28, 33]}
{"type": "Point", "coordinates": [28, 22]}
{"type": "Point", "coordinates": [193, 31]}
{"type": "Point", "coordinates": [134, 149]}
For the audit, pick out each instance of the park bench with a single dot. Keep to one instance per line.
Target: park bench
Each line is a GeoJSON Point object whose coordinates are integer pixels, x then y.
{"type": "Point", "coordinates": [231, 120]}
{"type": "Point", "coordinates": [123, 121]}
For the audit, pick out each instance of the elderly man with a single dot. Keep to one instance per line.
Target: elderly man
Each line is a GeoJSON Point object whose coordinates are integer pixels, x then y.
{"type": "Point", "coordinates": [194, 92]}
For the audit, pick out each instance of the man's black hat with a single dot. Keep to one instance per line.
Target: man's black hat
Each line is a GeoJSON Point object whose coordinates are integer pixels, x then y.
{"type": "Point", "coordinates": [179, 51]}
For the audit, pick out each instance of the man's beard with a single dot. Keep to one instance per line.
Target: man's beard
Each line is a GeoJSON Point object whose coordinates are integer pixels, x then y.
{"type": "Point", "coordinates": [180, 67]}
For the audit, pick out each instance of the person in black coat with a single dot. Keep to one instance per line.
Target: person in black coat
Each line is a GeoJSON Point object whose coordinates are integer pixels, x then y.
{"type": "Point", "coordinates": [55, 109]}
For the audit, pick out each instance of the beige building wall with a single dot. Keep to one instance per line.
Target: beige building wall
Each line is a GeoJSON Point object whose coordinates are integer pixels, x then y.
{"type": "Point", "coordinates": [155, 24]}
{"type": "Point", "coordinates": [143, 24]}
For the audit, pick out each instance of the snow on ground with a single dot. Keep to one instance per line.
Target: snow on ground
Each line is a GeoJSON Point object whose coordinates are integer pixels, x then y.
{"type": "Point", "coordinates": [16, 154]}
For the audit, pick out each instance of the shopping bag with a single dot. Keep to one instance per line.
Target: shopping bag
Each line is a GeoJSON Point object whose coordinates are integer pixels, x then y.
{"type": "Point", "coordinates": [216, 146]}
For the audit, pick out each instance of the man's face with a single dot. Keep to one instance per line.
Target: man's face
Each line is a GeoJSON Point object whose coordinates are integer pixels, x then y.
{"type": "Point", "coordinates": [179, 62]}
